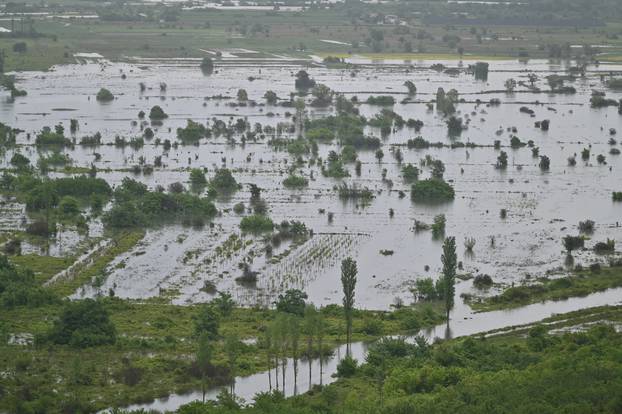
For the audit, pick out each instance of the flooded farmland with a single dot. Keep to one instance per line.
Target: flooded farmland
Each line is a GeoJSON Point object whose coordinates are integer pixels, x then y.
{"type": "Point", "coordinates": [177, 261]}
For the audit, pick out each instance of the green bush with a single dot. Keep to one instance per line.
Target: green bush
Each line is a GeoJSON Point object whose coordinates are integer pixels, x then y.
{"type": "Point", "coordinates": [410, 173]}
{"type": "Point", "coordinates": [295, 181]}
{"type": "Point", "coordinates": [346, 367]}
{"type": "Point", "coordinates": [157, 113]}
{"type": "Point", "coordinates": [192, 133]}
{"type": "Point", "coordinates": [293, 301]}
{"type": "Point", "coordinates": [381, 100]}
{"type": "Point", "coordinates": [223, 181]}
{"type": "Point", "coordinates": [19, 161]}
{"type": "Point", "coordinates": [104, 95]}
{"type": "Point", "coordinates": [47, 137]}
{"type": "Point", "coordinates": [82, 324]}
{"type": "Point", "coordinates": [256, 224]}
{"type": "Point", "coordinates": [432, 190]}
{"type": "Point", "coordinates": [69, 206]}
{"type": "Point", "coordinates": [19, 288]}
{"type": "Point", "coordinates": [320, 134]}
{"type": "Point", "coordinates": [197, 177]}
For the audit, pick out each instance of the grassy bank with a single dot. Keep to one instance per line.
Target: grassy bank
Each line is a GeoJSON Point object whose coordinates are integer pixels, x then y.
{"type": "Point", "coordinates": [580, 283]}
{"type": "Point", "coordinates": [155, 351]}
{"type": "Point", "coordinates": [540, 369]}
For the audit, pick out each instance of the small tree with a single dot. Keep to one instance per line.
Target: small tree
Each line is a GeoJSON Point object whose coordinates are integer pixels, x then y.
{"type": "Point", "coordinates": [412, 89]}
{"type": "Point", "coordinates": [502, 160]}
{"type": "Point", "coordinates": [197, 177]}
{"type": "Point", "coordinates": [207, 322]}
{"type": "Point", "coordinates": [545, 163]}
{"type": "Point", "coordinates": [449, 260]}
{"type": "Point", "coordinates": [573, 243]}
{"type": "Point", "coordinates": [207, 64]}
{"type": "Point", "coordinates": [510, 85]}
{"type": "Point", "coordinates": [454, 126]}
{"type": "Point", "coordinates": [157, 113]}
{"type": "Point", "coordinates": [203, 360]}
{"type": "Point", "coordinates": [104, 95]}
{"type": "Point", "coordinates": [232, 348]}
{"type": "Point", "coordinates": [82, 324]}
{"type": "Point", "coordinates": [242, 95]}
{"type": "Point", "coordinates": [271, 97]}
{"type": "Point", "coordinates": [292, 302]}
{"type": "Point", "coordinates": [348, 282]}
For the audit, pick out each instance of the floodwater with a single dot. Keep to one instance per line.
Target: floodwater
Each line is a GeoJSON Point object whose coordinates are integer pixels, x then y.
{"type": "Point", "coordinates": [461, 324]}
{"type": "Point", "coordinates": [542, 206]}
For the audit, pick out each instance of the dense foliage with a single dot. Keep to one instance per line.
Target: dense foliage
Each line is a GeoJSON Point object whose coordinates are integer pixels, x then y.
{"type": "Point", "coordinates": [432, 190]}
{"type": "Point", "coordinates": [19, 288]}
{"type": "Point", "coordinates": [135, 205]}
{"type": "Point", "coordinates": [82, 324]}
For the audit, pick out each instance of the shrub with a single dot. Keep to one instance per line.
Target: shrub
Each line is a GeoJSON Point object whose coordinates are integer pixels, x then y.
{"type": "Point", "coordinates": [616, 196]}
{"type": "Point", "coordinates": [223, 181]}
{"type": "Point", "coordinates": [586, 226]}
{"type": "Point", "coordinates": [83, 324]}
{"type": "Point", "coordinates": [157, 113]}
{"type": "Point", "coordinates": [432, 190]}
{"type": "Point", "coordinates": [224, 303]}
{"type": "Point", "coordinates": [346, 367]}
{"type": "Point", "coordinates": [293, 301]}
{"type": "Point", "coordinates": [49, 137]}
{"type": "Point", "coordinates": [256, 224]}
{"type": "Point", "coordinates": [438, 227]}
{"type": "Point", "coordinates": [207, 322]}
{"type": "Point", "coordinates": [197, 177]}
{"type": "Point", "coordinates": [19, 161]}
{"type": "Point", "coordinates": [295, 181]}
{"type": "Point", "coordinates": [573, 242]}
{"type": "Point", "coordinates": [424, 290]}
{"type": "Point", "coordinates": [482, 281]}
{"type": "Point", "coordinates": [320, 134]}
{"type": "Point", "coordinates": [354, 192]}
{"type": "Point", "coordinates": [104, 95]}
{"type": "Point", "coordinates": [192, 133]}
{"type": "Point", "coordinates": [372, 326]}
{"type": "Point", "coordinates": [381, 100]}
{"type": "Point", "coordinates": [454, 126]}
{"type": "Point", "coordinates": [605, 247]}
{"type": "Point", "coordinates": [239, 208]}
{"type": "Point", "coordinates": [69, 206]}
{"type": "Point", "coordinates": [207, 64]}
{"type": "Point", "coordinates": [19, 288]}
{"type": "Point", "coordinates": [410, 173]}
{"type": "Point", "coordinates": [545, 163]}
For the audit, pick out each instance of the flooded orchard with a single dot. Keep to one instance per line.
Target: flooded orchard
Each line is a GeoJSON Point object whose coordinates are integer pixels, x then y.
{"type": "Point", "coordinates": [516, 216]}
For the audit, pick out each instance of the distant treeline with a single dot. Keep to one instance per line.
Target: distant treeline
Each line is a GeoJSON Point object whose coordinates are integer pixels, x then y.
{"type": "Point", "coordinates": [513, 21]}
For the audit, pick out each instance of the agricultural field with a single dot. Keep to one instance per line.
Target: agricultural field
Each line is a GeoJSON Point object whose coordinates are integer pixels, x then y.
{"type": "Point", "coordinates": [312, 207]}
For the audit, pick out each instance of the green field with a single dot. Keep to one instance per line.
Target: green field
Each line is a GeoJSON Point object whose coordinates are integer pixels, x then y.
{"type": "Point", "coordinates": [295, 34]}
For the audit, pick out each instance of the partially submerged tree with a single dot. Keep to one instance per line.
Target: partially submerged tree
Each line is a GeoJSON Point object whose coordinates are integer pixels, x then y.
{"type": "Point", "coordinates": [449, 261]}
{"type": "Point", "coordinates": [104, 95]}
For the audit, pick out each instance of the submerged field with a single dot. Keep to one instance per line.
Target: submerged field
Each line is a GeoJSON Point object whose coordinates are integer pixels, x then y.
{"type": "Point", "coordinates": [176, 261]}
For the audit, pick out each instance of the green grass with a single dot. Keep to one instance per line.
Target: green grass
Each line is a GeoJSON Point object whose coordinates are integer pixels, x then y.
{"type": "Point", "coordinates": [287, 32]}
{"type": "Point", "coordinates": [44, 267]}
{"type": "Point", "coordinates": [157, 338]}
{"type": "Point", "coordinates": [579, 284]}
{"type": "Point", "coordinates": [121, 243]}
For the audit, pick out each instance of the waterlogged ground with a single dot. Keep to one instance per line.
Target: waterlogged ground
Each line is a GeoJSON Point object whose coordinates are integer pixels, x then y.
{"type": "Point", "coordinates": [176, 261]}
